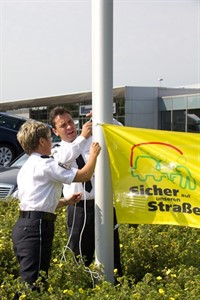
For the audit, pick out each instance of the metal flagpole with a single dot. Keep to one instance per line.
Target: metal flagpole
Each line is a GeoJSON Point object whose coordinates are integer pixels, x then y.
{"type": "Point", "coordinates": [102, 110]}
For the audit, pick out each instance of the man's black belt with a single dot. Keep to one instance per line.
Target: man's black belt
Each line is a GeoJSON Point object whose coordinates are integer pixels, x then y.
{"type": "Point", "coordinates": [89, 203]}
{"type": "Point", "coordinates": [38, 215]}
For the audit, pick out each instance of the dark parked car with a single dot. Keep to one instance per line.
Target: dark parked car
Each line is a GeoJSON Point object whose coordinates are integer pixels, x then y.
{"type": "Point", "coordinates": [9, 146]}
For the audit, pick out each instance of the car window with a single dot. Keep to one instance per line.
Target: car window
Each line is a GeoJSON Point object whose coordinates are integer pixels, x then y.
{"type": "Point", "coordinates": [10, 122]}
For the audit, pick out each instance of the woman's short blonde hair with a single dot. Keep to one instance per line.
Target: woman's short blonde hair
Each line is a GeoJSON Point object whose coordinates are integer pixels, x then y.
{"type": "Point", "coordinates": [30, 133]}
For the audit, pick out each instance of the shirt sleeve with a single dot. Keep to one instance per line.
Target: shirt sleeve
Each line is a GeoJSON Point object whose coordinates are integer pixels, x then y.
{"type": "Point", "coordinates": [66, 152]}
{"type": "Point", "coordinates": [58, 172]}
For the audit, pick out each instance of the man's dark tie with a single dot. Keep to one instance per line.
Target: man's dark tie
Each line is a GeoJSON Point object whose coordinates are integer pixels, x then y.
{"type": "Point", "coordinates": [80, 162]}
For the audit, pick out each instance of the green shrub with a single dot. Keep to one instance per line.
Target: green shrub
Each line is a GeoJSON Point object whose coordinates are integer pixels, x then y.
{"type": "Point", "coordinates": [159, 262]}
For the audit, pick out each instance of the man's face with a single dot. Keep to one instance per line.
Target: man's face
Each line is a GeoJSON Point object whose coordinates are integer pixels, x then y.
{"type": "Point", "coordinates": [65, 127]}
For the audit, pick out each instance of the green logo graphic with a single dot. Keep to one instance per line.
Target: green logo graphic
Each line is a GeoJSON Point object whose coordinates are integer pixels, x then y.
{"type": "Point", "coordinates": [159, 170]}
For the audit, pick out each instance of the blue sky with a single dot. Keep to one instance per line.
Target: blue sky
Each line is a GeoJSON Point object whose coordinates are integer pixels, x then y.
{"type": "Point", "coordinates": [46, 48]}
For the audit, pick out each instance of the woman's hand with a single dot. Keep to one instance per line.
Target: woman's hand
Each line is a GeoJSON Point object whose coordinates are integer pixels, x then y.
{"type": "Point", "coordinates": [72, 199]}
{"type": "Point", "coordinates": [69, 200]}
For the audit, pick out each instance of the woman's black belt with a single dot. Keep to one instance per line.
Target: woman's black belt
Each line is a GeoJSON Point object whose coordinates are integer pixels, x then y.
{"type": "Point", "coordinates": [32, 214]}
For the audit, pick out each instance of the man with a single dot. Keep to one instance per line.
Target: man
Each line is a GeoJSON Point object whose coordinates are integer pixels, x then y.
{"type": "Point", "coordinates": [80, 218]}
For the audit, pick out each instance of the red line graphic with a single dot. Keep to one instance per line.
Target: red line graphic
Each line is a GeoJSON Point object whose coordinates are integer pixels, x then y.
{"type": "Point", "coordinates": [152, 143]}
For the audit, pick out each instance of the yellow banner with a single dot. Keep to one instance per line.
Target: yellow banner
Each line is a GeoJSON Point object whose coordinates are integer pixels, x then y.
{"type": "Point", "coordinates": [155, 175]}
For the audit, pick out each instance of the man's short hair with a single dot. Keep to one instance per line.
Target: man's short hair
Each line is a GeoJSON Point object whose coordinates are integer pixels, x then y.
{"type": "Point", "coordinates": [58, 110]}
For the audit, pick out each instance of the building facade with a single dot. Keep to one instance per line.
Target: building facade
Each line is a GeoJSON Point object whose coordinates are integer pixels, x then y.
{"type": "Point", "coordinates": [176, 109]}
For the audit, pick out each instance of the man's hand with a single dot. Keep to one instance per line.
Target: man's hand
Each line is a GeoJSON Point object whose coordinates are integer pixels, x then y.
{"type": "Point", "coordinates": [87, 130]}
{"type": "Point", "coordinates": [89, 115]}
{"type": "Point", "coordinates": [95, 149]}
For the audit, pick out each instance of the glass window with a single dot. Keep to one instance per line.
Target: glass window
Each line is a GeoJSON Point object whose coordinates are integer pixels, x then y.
{"type": "Point", "coordinates": [178, 120]}
{"type": "Point", "coordinates": [39, 114]}
{"type": "Point", "coordinates": [194, 101]}
{"type": "Point", "coordinates": [120, 110]}
{"type": "Point", "coordinates": [42, 113]}
{"type": "Point", "coordinates": [166, 120]}
{"type": "Point", "coordinates": [165, 103]}
{"type": "Point", "coordinates": [179, 103]}
{"type": "Point", "coordinates": [193, 120]}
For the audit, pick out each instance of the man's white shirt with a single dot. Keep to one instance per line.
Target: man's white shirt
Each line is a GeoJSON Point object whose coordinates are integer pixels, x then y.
{"type": "Point", "coordinates": [67, 153]}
